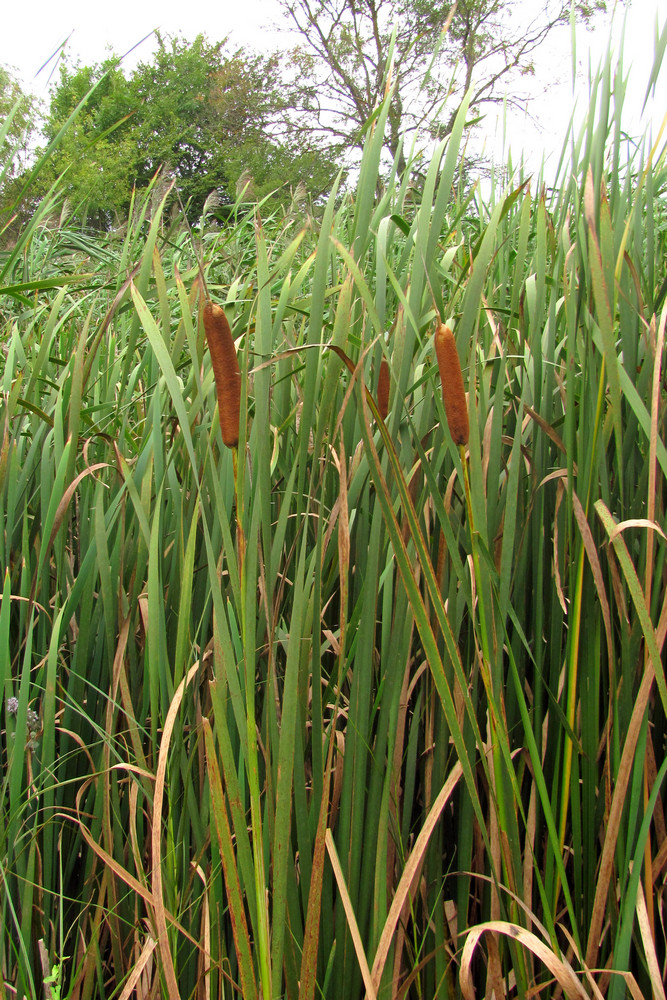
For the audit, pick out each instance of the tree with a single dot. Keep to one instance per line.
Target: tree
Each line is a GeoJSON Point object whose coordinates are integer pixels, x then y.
{"type": "Point", "coordinates": [17, 126]}
{"type": "Point", "coordinates": [440, 51]}
{"type": "Point", "coordinates": [198, 113]}
{"type": "Point", "coordinates": [211, 116]}
{"type": "Point", "coordinates": [17, 120]}
{"type": "Point", "coordinates": [95, 156]}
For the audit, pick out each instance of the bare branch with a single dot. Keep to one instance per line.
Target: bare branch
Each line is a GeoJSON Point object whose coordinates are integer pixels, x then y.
{"type": "Point", "coordinates": [343, 59]}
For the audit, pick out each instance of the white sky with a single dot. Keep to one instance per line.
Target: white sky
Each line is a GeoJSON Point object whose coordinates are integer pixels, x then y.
{"type": "Point", "coordinates": [555, 102]}
{"type": "Point", "coordinates": [32, 34]}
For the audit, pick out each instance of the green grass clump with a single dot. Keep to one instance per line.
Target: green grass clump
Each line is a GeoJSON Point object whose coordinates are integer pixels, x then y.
{"type": "Point", "coordinates": [345, 710]}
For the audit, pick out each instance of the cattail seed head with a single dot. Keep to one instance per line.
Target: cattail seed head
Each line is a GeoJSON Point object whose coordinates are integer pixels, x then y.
{"type": "Point", "coordinates": [453, 393]}
{"type": "Point", "coordinates": [225, 370]}
{"type": "Point", "coordinates": [383, 389]}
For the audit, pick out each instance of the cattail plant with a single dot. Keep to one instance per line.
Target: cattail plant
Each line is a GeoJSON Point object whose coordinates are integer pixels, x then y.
{"type": "Point", "coordinates": [225, 370]}
{"type": "Point", "coordinates": [383, 389]}
{"type": "Point", "coordinates": [227, 376]}
{"type": "Point", "coordinates": [453, 393]}
{"type": "Point", "coordinates": [454, 398]}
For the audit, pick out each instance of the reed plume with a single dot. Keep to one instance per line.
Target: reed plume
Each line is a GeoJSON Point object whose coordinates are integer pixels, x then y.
{"type": "Point", "coordinates": [383, 389]}
{"type": "Point", "coordinates": [225, 370]}
{"type": "Point", "coordinates": [453, 393]}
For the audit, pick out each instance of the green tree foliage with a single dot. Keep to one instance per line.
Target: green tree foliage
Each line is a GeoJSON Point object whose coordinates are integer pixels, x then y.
{"type": "Point", "coordinates": [17, 111]}
{"type": "Point", "coordinates": [440, 50]}
{"type": "Point", "coordinates": [17, 125]}
{"type": "Point", "coordinates": [201, 115]}
{"type": "Point", "coordinates": [96, 155]}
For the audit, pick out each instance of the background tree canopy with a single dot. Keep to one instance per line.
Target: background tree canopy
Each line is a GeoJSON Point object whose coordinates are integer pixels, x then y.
{"type": "Point", "coordinates": [440, 51]}
{"type": "Point", "coordinates": [200, 113]}
{"type": "Point", "coordinates": [16, 117]}
{"type": "Point", "coordinates": [17, 123]}
{"type": "Point", "coordinates": [217, 120]}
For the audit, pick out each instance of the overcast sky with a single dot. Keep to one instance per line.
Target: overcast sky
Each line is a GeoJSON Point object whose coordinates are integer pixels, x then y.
{"type": "Point", "coordinates": [32, 34]}
{"type": "Point", "coordinates": [94, 28]}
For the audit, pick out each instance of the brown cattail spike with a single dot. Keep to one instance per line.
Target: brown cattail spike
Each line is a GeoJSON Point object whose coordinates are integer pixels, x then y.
{"type": "Point", "coordinates": [453, 393]}
{"type": "Point", "coordinates": [383, 389]}
{"type": "Point", "coordinates": [226, 371]}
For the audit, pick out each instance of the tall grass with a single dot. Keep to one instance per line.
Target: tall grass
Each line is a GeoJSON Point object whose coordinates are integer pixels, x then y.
{"type": "Point", "coordinates": [366, 712]}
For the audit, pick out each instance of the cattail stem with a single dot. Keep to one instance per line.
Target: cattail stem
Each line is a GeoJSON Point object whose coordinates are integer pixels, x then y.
{"type": "Point", "coordinates": [240, 536]}
{"type": "Point", "coordinates": [453, 393]}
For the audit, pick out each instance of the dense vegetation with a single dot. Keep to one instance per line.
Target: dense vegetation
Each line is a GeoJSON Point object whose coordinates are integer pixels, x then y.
{"type": "Point", "coordinates": [348, 710]}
